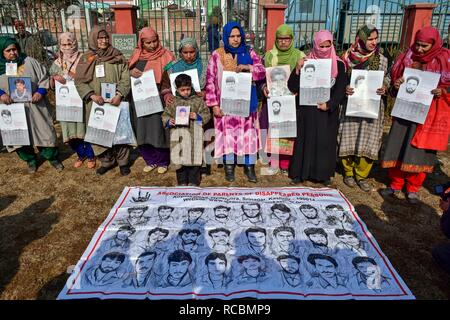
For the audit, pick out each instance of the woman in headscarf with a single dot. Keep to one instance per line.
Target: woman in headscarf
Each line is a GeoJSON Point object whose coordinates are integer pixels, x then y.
{"type": "Point", "coordinates": [359, 139]}
{"type": "Point", "coordinates": [152, 137]}
{"type": "Point", "coordinates": [411, 148]}
{"type": "Point", "coordinates": [283, 53]}
{"type": "Point", "coordinates": [234, 136]}
{"type": "Point", "coordinates": [39, 119]}
{"type": "Point", "coordinates": [63, 69]}
{"type": "Point", "coordinates": [314, 155]}
{"type": "Point", "coordinates": [189, 58]}
{"type": "Point", "coordinates": [104, 64]}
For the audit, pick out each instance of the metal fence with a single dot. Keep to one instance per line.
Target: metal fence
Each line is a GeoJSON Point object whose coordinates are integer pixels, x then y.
{"type": "Point", "coordinates": [47, 19]}
{"type": "Point", "coordinates": [344, 17]}
{"type": "Point", "coordinates": [176, 19]}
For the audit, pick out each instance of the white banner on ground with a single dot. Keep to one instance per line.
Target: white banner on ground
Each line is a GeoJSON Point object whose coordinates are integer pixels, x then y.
{"type": "Point", "coordinates": [225, 243]}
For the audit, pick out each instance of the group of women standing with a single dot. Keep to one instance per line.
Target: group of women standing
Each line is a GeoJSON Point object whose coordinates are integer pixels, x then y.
{"type": "Point", "coordinates": [324, 132]}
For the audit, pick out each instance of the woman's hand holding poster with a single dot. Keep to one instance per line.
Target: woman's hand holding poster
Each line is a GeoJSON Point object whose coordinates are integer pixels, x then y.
{"type": "Point", "coordinates": [414, 95]}
{"type": "Point", "coordinates": [145, 94]}
{"type": "Point", "coordinates": [13, 125]}
{"type": "Point", "coordinates": [235, 93]}
{"type": "Point", "coordinates": [365, 102]}
{"type": "Point", "coordinates": [69, 105]}
{"type": "Point", "coordinates": [102, 124]}
{"type": "Point", "coordinates": [315, 82]}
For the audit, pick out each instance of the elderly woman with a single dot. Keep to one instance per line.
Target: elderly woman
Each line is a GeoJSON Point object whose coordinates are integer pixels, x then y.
{"type": "Point", "coordinates": [314, 155]}
{"type": "Point", "coordinates": [104, 64]}
{"type": "Point", "coordinates": [235, 136]}
{"type": "Point", "coordinates": [63, 69]}
{"type": "Point", "coordinates": [40, 123]}
{"type": "Point", "coordinates": [152, 137]}
{"type": "Point", "coordinates": [411, 148]}
{"type": "Point", "coordinates": [189, 58]}
{"type": "Point", "coordinates": [359, 139]}
{"type": "Point", "coordinates": [283, 53]}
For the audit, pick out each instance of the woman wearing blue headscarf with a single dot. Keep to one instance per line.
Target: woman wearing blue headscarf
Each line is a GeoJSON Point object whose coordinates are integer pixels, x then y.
{"type": "Point", "coordinates": [234, 136]}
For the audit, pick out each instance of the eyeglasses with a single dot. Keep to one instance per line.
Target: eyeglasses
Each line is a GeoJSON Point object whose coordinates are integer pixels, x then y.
{"type": "Point", "coordinates": [284, 39]}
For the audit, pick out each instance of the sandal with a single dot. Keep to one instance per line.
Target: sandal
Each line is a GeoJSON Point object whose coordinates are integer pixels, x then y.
{"type": "Point", "coordinates": [162, 170]}
{"type": "Point", "coordinates": [91, 164]}
{"type": "Point", "coordinates": [149, 168]}
{"type": "Point", "coordinates": [78, 163]}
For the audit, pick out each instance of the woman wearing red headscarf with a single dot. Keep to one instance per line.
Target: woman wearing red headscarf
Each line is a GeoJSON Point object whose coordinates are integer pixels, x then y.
{"type": "Point", "coordinates": [411, 148]}
{"type": "Point", "coordinates": [314, 156]}
{"type": "Point", "coordinates": [152, 138]}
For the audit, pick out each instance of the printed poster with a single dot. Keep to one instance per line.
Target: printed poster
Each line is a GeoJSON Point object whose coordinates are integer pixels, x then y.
{"type": "Point", "coordinates": [227, 243]}
{"type": "Point", "coordinates": [315, 82]}
{"type": "Point", "coordinates": [414, 95]}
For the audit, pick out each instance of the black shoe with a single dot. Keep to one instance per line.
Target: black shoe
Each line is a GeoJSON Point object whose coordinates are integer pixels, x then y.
{"type": "Point", "coordinates": [249, 171]}
{"type": "Point", "coordinates": [206, 170]}
{"type": "Point", "coordinates": [193, 185]}
{"type": "Point", "coordinates": [229, 172]}
{"type": "Point", "coordinates": [101, 171]}
{"type": "Point", "coordinates": [57, 165]}
{"type": "Point", "coordinates": [124, 170]}
{"type": "Point", "coordinates": [32, 168]}
{"type": "Point", "coordinates": [326, 183]}
{"type": "Point", "coordinates": [296, 181]}
{"type": "Point", "coordinates": [389, 192]}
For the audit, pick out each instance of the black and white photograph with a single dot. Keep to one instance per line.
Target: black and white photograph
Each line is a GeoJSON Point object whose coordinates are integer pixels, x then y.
{"type": "Point", "coordinates": [315, 82]}
{"type": "Point", "coordinates": [414, 95]}
{"type": "Point", "coordinates": [102, 124]}
{"type": "Point", "coordinates": [277, 78]}
{"type": "Point", "coordinates": [13, 125]}
{"type": "Point", "coordinates": [69, 105]}
{"type": "Point", "coordinates": [145, 94]}
{"type": "Point", "coordinates": [235, 93]}
{"type": "Point", "coordinates": [282, 117]}
{"type": "Point", "coordinates": [365, 102]}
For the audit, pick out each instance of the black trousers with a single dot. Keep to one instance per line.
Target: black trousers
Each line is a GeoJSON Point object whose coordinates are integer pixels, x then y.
{"type": "Point", "coordinates": [189, 175]}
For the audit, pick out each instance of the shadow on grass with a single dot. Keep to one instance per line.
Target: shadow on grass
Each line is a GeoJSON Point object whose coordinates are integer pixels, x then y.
{"type": "Point", "coordinates": [18, 231]}
{"type": "Point", "coordinates": [6, 201]}
{"type": "Point", "coordinates": [406, 234]}
{"type": "Point", "coordinates": [52, 288]}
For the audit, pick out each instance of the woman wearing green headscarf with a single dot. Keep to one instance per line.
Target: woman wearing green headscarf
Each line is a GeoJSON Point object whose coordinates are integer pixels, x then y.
{"type": "Point", "coordinates": [283, 53]}
{"type": "Point", "coordinates": [39, 119]}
